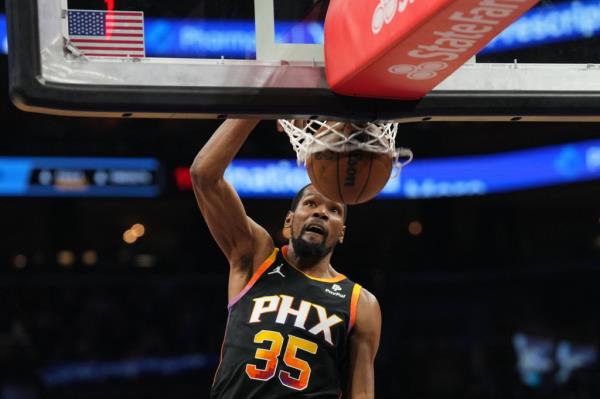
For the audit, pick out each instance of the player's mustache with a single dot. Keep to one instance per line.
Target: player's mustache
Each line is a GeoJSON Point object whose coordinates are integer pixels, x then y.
{"type": "Point", "coordinates": [323, 229]}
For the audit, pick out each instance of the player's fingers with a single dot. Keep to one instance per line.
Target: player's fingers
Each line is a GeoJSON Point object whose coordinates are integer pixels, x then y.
{"type": "Point", "coordinates": [279, 127]}
{"type": "Point", "coordinates": [299, 123]}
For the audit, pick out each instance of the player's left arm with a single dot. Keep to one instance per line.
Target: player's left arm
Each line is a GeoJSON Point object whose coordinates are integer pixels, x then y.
{"type": "Point", "coordinates": [364, 343]}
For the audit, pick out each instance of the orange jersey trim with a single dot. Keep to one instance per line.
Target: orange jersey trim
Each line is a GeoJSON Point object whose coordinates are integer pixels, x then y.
{"type": "Point", "coordinates": [354, 305]}
{"type": "Point", "coordinates": [335, 279]}
{"type": "Point", "coordinates": [259, 272]}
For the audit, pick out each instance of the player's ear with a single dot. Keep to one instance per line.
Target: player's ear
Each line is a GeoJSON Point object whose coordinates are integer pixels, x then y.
{"type": "Point", "coordinates": [342, 234]}
{"type": "Point", "coordinates": [287, 225]}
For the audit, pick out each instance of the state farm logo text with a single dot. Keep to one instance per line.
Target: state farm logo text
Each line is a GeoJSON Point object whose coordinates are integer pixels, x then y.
{"type": "Point", "coordinates": [453, 38]}
{"type": "Point", "coordinates": [424, 71]}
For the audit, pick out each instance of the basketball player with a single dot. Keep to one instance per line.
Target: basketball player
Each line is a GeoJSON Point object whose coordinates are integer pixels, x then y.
{"type": "Point", "coordinates": [297, 328]}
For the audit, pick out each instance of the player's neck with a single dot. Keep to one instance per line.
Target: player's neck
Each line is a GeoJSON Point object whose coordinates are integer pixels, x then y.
{"type": "Point", "coordinates": [320, 268]}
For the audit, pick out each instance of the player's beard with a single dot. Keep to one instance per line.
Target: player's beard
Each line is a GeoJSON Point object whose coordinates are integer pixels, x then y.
{"type": "Point", "coordinates": [309, 253]}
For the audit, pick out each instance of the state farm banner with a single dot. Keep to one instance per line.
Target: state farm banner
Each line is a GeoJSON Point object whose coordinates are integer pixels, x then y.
{"type": "Point", "coordinates": [402, 49]}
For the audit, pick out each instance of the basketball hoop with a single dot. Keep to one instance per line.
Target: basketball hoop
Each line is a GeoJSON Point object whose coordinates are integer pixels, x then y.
{"type": "Point", "coordinates": [314, 136]}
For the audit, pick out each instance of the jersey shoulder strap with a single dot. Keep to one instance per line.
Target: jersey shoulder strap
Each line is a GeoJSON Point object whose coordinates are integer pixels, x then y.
{"type": "Point", "coordinates": [259, 272]}
{"type": "Point", "coordinates": [356, 289]}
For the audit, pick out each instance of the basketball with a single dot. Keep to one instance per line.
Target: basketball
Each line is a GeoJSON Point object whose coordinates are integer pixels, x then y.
{"type": "Point", "coordinates": [350, 177]}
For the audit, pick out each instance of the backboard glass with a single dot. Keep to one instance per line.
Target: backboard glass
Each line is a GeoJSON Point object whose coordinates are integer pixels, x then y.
{"type": "Point", "coordinates": [209, 59]}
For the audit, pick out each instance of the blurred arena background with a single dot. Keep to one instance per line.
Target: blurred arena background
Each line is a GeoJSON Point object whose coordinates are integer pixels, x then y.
{"type": "Point", "coordinates": [488, 286]}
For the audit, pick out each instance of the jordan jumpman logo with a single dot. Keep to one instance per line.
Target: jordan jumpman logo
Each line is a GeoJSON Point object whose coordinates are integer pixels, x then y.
{"type": "Point", "coordinates": [277, 270]}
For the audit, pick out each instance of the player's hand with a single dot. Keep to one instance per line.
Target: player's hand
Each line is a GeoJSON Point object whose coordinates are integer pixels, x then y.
{"type": "Point", "coordinates": [299, 123]}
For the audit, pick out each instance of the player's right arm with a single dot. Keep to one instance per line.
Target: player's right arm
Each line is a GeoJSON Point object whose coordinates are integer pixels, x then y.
{"type": "Point", "coordinates": [364, 344]}
{"type": "Point", "coordinates": [245, 244]}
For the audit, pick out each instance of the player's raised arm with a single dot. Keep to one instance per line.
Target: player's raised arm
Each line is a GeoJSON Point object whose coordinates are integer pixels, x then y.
{"type": "Point", "coordinates": [364, 344]}
{"type": "Point", "coordinates": [244, 242]}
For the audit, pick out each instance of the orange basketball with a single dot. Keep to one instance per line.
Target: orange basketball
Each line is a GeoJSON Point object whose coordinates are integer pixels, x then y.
{"type": "Point", "coordinates": [349, 177]}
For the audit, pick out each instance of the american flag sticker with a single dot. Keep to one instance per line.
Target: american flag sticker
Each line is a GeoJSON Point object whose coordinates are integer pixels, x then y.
{"type": "Point", "coordinates": [107, 33]}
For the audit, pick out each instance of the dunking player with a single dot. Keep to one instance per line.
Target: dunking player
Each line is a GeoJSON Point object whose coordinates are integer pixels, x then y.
{"type": "Point", "coordinates": [297, 328]}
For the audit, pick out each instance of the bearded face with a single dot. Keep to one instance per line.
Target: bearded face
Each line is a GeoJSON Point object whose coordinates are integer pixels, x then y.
{"type": "Point", "coordinates": [317, 226]}
{"type": "Point", "coordinates": [306, 249]}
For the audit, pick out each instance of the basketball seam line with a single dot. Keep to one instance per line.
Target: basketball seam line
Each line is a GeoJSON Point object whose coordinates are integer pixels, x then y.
{"type": "Point", "coordinates": [337, 163]}
{"type": "Point", "coordinates": [367, 179]}
{"type": "Point", "coordinates": [317, 185]}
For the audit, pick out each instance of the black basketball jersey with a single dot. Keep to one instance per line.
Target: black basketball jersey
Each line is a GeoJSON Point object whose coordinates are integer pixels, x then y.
{"type": "Point", "coordinates": [287, 335]}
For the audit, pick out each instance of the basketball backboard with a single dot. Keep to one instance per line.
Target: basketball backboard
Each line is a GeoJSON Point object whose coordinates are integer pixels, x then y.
{"type": "Point", "coordinates": [264, 58]}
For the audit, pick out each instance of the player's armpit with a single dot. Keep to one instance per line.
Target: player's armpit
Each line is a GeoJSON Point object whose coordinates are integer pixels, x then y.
{"type": "Point", "coordinates": [364, 343]}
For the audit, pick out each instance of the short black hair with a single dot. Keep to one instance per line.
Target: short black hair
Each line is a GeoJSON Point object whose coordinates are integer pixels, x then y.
{"type": "Point", "coordinates": [299, 196]}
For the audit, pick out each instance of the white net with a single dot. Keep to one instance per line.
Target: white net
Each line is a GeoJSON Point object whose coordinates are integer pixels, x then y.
{"type": "Point", "coordinates": [311, 136]}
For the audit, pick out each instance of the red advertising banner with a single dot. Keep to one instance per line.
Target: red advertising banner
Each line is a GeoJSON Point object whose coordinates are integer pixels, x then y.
{"type": "Point", "coordinates": [402, 49]}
